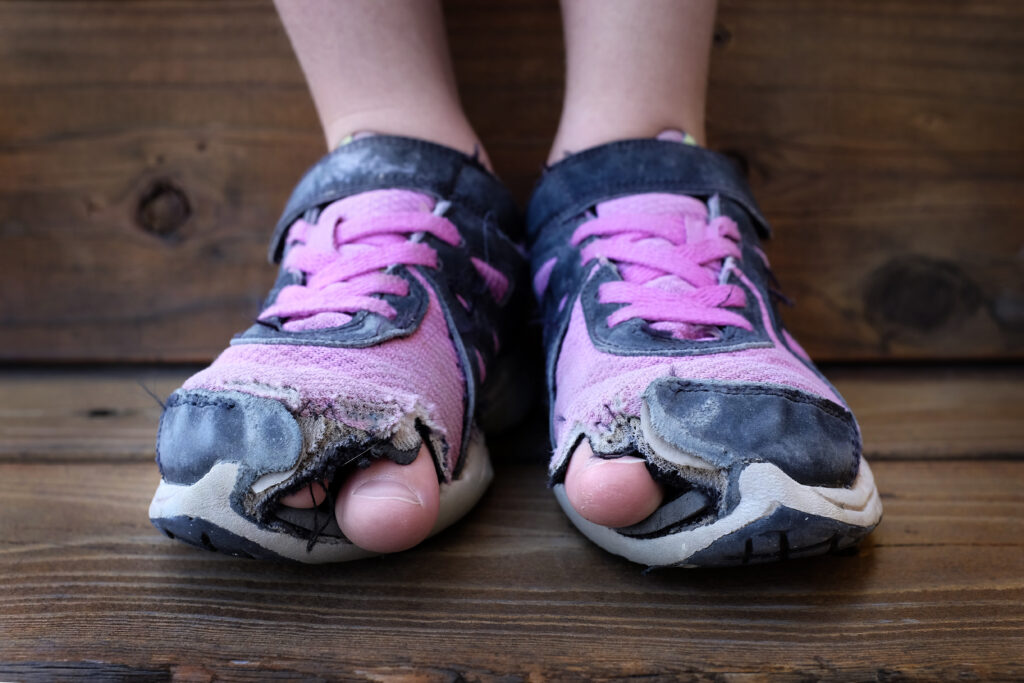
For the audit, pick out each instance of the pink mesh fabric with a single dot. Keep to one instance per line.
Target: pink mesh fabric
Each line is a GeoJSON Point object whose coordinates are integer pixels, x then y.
{"type": "Point", "coordinates": [670, 255]}
{"type": "Point", "coordinates": [540, 280]}
{"type": "Point", "coordinates": [595, 391]}
{"type": "Point", "coordinates": [496, 282]}
{"type": "Point", "coordinates": [371, 389]}
{"type": "Point", "coordinates": [793, 344]}
{"type": "Point", "coordinates": [345, 254]}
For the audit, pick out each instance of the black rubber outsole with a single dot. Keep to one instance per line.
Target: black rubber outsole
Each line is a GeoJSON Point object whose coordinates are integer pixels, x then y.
{"type": "Point", "coordinates": [208, 536]}
{"type": "Point", "coordinates": [783, 535]}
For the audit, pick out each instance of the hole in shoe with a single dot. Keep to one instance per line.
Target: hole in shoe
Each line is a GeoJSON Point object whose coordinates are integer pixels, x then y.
{"type": "Point", "coordinates": [685, 509]}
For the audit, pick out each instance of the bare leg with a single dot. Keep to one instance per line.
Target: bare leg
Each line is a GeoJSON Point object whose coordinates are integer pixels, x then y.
{"type": "Point", "coordinates": [381, 67]}
{"type": "Point", "coordinates": [634, 70]}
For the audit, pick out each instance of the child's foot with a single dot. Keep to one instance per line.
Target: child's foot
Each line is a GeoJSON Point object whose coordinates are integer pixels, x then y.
{"type": "Point", "coordinates": [689, 427]}
{"type": "Point", "coordinates": [341, 424]}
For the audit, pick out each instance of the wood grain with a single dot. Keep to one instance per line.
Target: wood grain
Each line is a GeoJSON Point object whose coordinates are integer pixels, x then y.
{"type": "Point", "coordinates": [146, 149]}
{"type": "Point", "coordinates": [108, 414]}
{"type": "Point", "coordinates": [936, 412]}
{"type": "Point", "coordinates": [513, 593]}
{"type": "Point", "coordinates": [84, 414]}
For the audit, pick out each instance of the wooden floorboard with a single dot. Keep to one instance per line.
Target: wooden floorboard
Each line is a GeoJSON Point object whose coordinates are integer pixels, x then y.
{"type": "Point", "coordinates": [86, 583]}
{"type": "Point", "coordinates": [513, 592]}
{"type": "Point", "coordinates": [925, 412]}
{"type": "Point", "coordinates": [147, 148]}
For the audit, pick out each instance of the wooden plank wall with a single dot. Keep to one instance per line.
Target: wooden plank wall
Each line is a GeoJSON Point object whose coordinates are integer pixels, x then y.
{"type": "Point", "coordinates": [147, 147]}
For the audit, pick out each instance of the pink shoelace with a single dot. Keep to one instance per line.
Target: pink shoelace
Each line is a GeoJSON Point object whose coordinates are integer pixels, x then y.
{"type": "Point", "coordinates": [674, 263]}
{"type": "Point", "coordinates": [347, 256]}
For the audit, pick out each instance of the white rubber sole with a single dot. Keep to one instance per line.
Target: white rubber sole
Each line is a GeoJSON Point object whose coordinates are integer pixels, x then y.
{"type": "Point", "coordinates": [764, 488]}
{"type": "Point", "coordinates": [207, 501]}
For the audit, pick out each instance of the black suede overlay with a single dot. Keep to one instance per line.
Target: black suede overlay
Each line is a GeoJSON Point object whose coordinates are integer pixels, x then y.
{"type": "Point", "coordinates": [199, 429]}
{"type": "Point", "coordinates": [811, 439]}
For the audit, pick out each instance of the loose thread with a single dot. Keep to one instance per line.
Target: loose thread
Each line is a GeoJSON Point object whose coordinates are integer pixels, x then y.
{"type": "Point", "coordinates": [153, 396]}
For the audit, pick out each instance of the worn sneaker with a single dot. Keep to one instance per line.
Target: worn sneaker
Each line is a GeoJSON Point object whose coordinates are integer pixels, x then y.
{"type": "Point", "coordinates": [663, 342]}
{"type": "Point", "coordinates": [397, 257]}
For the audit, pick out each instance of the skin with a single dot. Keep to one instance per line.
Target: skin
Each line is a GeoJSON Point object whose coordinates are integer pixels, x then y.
{"type": "Point", "coordinates": [384, 508]}
{"type": "Point", "coordinates": [634, 69]}
{"type": "Point", "coordinates": [381, 67]}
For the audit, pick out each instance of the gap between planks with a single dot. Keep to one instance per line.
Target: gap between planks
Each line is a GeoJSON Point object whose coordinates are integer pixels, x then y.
{"type": "Point", "coordinates": [106, 414]}
{"type": "Point", "coordinates": [935, 592]}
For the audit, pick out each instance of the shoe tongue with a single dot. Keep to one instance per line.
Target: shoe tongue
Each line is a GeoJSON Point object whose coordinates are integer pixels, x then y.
{"type": "Point", "coordinates": [321, 236]}
{"type": "Point", "coordinates": [653, 203]}
{"type": "Point", "coordinates": [656, 203]}
{"type": "Point", "coordinates": [693, 229]}
{"type": "Point", "coordinates": [376, 202]}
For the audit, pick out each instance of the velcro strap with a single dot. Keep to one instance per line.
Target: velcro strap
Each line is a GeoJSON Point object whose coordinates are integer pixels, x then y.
{"type": "Point", "coordinates": [383, 162]}
{"type": "Point", "coordinates": [576, 184]}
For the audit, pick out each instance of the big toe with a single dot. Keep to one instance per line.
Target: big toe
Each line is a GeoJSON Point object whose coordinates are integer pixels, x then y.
{"type": "Point", "coordinates": [389, 507]}
{"type": "Point", "coordinates": [613, 492]}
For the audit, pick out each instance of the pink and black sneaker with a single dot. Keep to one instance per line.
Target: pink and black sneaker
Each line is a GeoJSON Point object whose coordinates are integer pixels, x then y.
{"type": "Point", "coordinates": [379, 336]}
{"type": "Point", "coordinates": [663, 343]}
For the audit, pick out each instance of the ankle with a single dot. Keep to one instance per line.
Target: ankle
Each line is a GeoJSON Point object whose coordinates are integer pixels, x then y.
{"type": "Point", "coordinates": [577, 133]}
{"type": "Point", "coordinates": [448, 129]}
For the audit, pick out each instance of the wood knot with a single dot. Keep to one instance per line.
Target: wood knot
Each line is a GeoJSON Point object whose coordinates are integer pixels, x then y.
{"type": "Point", "coordinates": [914, 295]}
{"type": "Point", "coordinates": [722, 35]}
{"type": "Point", "coordinates": [163, 209]}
